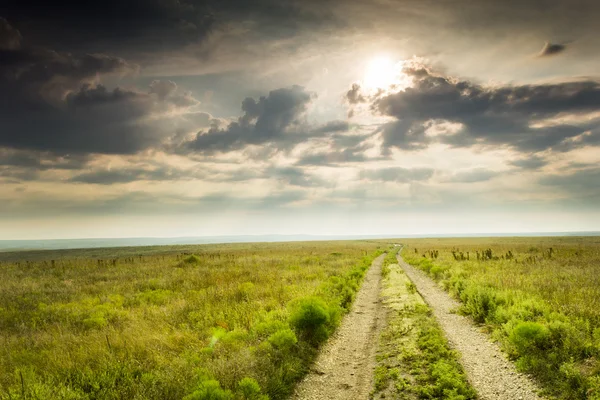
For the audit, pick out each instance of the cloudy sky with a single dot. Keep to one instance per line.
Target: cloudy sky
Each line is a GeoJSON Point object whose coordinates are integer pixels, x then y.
{"type": "Point", "coordinates": [181, 117]}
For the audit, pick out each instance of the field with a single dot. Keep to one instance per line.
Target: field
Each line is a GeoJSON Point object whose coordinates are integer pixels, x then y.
{"type": "Point", "coordinates": [539, 297]}
{"type": "Point", "coordinates": [245, 321]}
{"type": "Point", "coordinates": [237, 321]}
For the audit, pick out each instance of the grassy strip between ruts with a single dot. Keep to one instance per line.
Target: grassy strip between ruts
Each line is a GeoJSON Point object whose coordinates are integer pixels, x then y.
{"type": "Point", "coordinates": [536, 297]}
{"type": "Point", "coordinates": [414, 360]}
{"type": "Point", "coordinates": [240, 323]}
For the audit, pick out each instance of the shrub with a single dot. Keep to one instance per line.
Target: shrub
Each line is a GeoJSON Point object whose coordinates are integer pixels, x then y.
{"type": "Point", "coordinates": [425, 264]}
{"type": "Point", "coordinates": [479, 302]}
{"type": "Point", "coordinates": [193, 259]}
{"type": "Point", "coordinates": [245, 291]}
{"type": "Point", "coordinates": [530, 337]}
{"type": "Point", "coordinates": [283, 340]}
{"type": "Point", "coordinates": [248, 389]}
{"type": "Point", "coordinates": [210, 390]}
{"type": "Point", "coordinates": [311, 318]}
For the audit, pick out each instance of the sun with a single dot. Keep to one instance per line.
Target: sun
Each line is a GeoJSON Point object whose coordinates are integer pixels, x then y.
{"type": "Point", "coordinates": [382, 72]}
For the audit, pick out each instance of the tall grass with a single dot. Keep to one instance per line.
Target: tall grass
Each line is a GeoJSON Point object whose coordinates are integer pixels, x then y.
{"type": "Point", "coordinates": [540, 297]}
{"type": "Point", "coordinates": [212, 322]}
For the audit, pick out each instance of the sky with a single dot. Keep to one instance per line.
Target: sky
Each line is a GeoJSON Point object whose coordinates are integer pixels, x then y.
{"type": "Point", "coordinates": [167, 118]}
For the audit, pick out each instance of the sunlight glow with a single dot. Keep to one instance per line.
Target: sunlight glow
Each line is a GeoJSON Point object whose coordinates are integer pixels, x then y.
{"type": "Point", "coordinates": [381, 72]}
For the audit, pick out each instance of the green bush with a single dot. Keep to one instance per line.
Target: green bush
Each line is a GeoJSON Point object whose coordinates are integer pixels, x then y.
{"type": "Point", "coordinates": [530, 337]}
{"type": "Point", "coordinates": [210, 390]}
{"type": "Point", "coordinates": [283, 340]}
{"type": "Point", "coordinates": [310, 318]}
{"type": "Point", "coordinates": [248, 389]}
{"type": "Point", "coordinates": [193, 259]}
{"type": "Point", "coordinates": [479, 302]}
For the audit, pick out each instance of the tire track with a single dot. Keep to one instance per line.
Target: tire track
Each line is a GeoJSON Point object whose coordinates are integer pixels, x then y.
{"type": "Point", "coordinates": [488, 370]}
{"type": "Point", "coordinates": [344, 367]}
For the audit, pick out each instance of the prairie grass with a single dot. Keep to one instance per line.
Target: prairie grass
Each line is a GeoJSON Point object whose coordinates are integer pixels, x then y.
{"type": "Point", "coordinates": [237, 321]}
{"type": "Point", "coordinates": [539, 297]}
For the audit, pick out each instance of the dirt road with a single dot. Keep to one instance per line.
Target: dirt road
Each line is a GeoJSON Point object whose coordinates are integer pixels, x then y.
{"type": "Point", "coordinates": [344, 368]}
{"type": "Point", "coordinates": [488, 371]}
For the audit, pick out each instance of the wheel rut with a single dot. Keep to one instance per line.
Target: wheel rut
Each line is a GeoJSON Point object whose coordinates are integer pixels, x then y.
{"type": "Point", "coordinates": [488, 370]}
{"type": "Point", "coordinates": [344, 367]}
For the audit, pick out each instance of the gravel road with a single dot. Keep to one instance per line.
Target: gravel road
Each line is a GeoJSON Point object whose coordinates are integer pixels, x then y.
{"type": "Point", "coordinates": [488, 370]}
{"type": "Point", "coordinates": [344, 367]}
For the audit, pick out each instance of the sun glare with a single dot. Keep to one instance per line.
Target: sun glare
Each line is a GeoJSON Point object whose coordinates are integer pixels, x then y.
{"type": "Point", "coordinates": [381, 72]}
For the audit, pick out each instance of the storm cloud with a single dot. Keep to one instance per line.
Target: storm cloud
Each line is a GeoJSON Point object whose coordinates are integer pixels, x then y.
{"type": "Point", "coordinates": [518, 117]}
{"type": "Point", "coordinates": [276, 118]}
{"type": "Point", "coordinates": [53, 102]}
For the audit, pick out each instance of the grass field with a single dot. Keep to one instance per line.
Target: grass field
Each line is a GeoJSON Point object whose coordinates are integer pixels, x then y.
{"type": "Point", "coordinates": [540, 297]}
{"type": "Point", "coordinates": [195, 322]}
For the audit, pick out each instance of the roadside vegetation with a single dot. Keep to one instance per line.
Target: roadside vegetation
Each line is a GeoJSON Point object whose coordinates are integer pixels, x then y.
{"type": "Point", "coordinates": [539, 297]}
{"type": "Point", "coordinates": [414, 360]}
{"type": "Point", "coordinates": [214, 322]}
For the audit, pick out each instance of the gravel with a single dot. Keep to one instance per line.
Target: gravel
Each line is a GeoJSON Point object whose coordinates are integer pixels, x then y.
{"type": "Point", "coordinates": [345, 366]}
{"type": "Point", "coordinates": [488, 370]}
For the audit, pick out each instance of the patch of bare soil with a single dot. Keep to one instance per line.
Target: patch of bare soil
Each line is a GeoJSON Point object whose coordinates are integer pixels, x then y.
{"type": "Point", "coordinates": [344, 367]}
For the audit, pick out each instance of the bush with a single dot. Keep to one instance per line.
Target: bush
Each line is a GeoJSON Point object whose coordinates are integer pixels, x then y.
{"type": "Point", "coordinates": [248, 389]}
{"type": "Point", "coordinates": [479, 302]}
{"type": "Point", "coordinates": [310, 318]}
{"type": "Point", "coordinates": [210, 390]}
{"type": "Point", "coordinates": [530, 337]}
{"type": "Point", "coordinates": [283, 340]}
{"type": "Point", "coordinates": [193, 259]}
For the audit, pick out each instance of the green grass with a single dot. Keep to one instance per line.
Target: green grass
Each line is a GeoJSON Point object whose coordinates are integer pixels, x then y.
{"type": "Point", "coordinates": [539, 297]}
{"type": "Point", "coordinates": [195, 322]}
{"type": "Point", "coordinates": [414, 360]}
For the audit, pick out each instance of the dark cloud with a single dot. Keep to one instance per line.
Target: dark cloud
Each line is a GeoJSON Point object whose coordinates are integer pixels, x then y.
{"type": "Point", "coordinates": [532, 162]}
{"type": "Point", "coordinates": [551, 49]}
{"type": "Point", "coordinates": [93, 119]}
{"type": "Point", "coordinates": [10, 38]}
{"type": "Point", "coordinates": [111, 25]}
{"type": "Point", "coordinates": [510, 116]}
{"type": "Point", "coordinates": [397, 174]}
{"type": "Point", "coordinates": [127, 175]}
{"type": "Point", "coordinates": [295, 176]}
{"type": "Point", "coordinates": [276, 118]}
{"type": "Point", "coordinates": [138, 28]}
{"type": "Point", "coordinates": [163, 89]}
{"type": "Point", "coordinates": [52, 102]}
{"type": "Point", "coordinates": [289, 176]}
{"type": "Point", "coordinates": [333, 126]}
{"type": "Point", "coordinates": [23, 166]}
{"type": "Point", "coordinates": [40, 161]}
{"type": "Point", "coordinates": [163, 172]}
{"type": "Point", "coordinates": [331, 158]}
{"type": "Point", "coordinates": [36, 75]}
